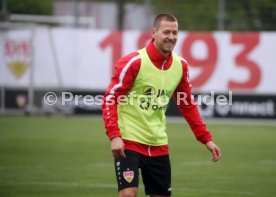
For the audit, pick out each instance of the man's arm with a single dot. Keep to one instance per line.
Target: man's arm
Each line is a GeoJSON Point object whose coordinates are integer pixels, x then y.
{"type": "Point", "coordinates": [189, 111]}
{"type": "Point", "coordinates": [122, 80]}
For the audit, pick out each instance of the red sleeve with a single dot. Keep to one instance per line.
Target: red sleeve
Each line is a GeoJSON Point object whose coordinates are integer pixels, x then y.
{"type": "Point", "coordinates": [122, 80]}
{"type": "Point", "coordinates": [188, 107]}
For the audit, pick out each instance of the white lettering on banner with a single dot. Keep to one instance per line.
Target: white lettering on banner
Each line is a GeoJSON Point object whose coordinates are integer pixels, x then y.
{"type": "Point", "coordinates": [207, 110]}
{"type": "Point", "coordinates": [246, 108]}
{"type": "Point", "coordinates": [223, 110]}
{"type": "Point", "coordinates": [219, 61]}
{"type": "Point", "coordinates": [253, 108]}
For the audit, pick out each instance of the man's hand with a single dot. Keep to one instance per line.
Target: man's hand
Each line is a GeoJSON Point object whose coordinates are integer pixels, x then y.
{"type": "Point", "coordinates": [117, 147]}
{"type": "Point", "coordinates": [215, 150]}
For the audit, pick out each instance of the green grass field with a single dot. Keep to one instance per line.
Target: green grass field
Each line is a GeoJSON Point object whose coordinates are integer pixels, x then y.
{"type": "Point", "coordinates": [70, 157]}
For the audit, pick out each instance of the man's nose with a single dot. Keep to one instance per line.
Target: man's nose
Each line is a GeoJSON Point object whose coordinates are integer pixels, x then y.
{"type": "Point", "coordinates": [171, 36]}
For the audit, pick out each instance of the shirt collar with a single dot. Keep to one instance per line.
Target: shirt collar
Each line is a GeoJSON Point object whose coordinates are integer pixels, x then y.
{"type": "Point", "coordinates": [155, 55]}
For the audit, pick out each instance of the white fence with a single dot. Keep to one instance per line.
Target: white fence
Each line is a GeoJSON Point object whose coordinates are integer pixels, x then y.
{"type": "Point", "coordinates": [45, 58]}
{"type": "Point", "coordinates": [83, 59]}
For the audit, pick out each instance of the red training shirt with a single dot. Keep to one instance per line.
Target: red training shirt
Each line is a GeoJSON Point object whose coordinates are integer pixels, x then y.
{"type": "Point", "coordinates": [122, 80]}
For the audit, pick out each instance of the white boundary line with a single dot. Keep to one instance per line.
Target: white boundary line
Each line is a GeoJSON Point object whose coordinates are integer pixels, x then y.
{"type": "Point", "coordinates": [227, 121]}
{"type": "Point", "coordinates": [230, 121]}
{"type": "Point", "coordinates": [114, 186]}
{"type": "Point", "coordinates": [216, 191]}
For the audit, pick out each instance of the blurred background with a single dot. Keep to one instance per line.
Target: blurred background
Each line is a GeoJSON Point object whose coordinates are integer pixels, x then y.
{"type": "Point", "coordinates": [199, 15]}
{"type": "Point", "coordinates": [73, 45]}
{"type": "Point", "coordinates": [56, 61]}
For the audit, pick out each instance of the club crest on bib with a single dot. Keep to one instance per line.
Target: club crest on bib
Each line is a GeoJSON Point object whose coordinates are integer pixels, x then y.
{"type": "Point", "coordinates": [128, 175]}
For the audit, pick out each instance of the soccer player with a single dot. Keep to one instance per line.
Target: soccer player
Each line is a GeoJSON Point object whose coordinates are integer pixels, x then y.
{"type": "Point", "coordinates": [148, 78]}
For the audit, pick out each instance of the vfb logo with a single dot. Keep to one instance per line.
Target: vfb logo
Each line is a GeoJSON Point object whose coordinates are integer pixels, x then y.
{"type": "Point", "coordinates": [153, 99]}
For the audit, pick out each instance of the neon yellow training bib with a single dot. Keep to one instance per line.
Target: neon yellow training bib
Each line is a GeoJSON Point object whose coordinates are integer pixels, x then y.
{"type": "Point", "coordinates": [142, 118]}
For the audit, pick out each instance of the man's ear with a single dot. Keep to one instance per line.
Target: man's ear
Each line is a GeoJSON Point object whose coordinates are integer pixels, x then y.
{"type": "Point", "coordinates": [153, 32]}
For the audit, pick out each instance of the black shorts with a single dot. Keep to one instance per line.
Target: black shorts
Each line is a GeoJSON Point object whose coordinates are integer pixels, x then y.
{"type": "Point", "coordinates": [156, 173]}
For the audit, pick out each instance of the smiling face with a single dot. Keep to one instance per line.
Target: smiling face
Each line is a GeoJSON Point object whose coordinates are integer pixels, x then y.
{"type": "Point", "coordinates": [165, 35]}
